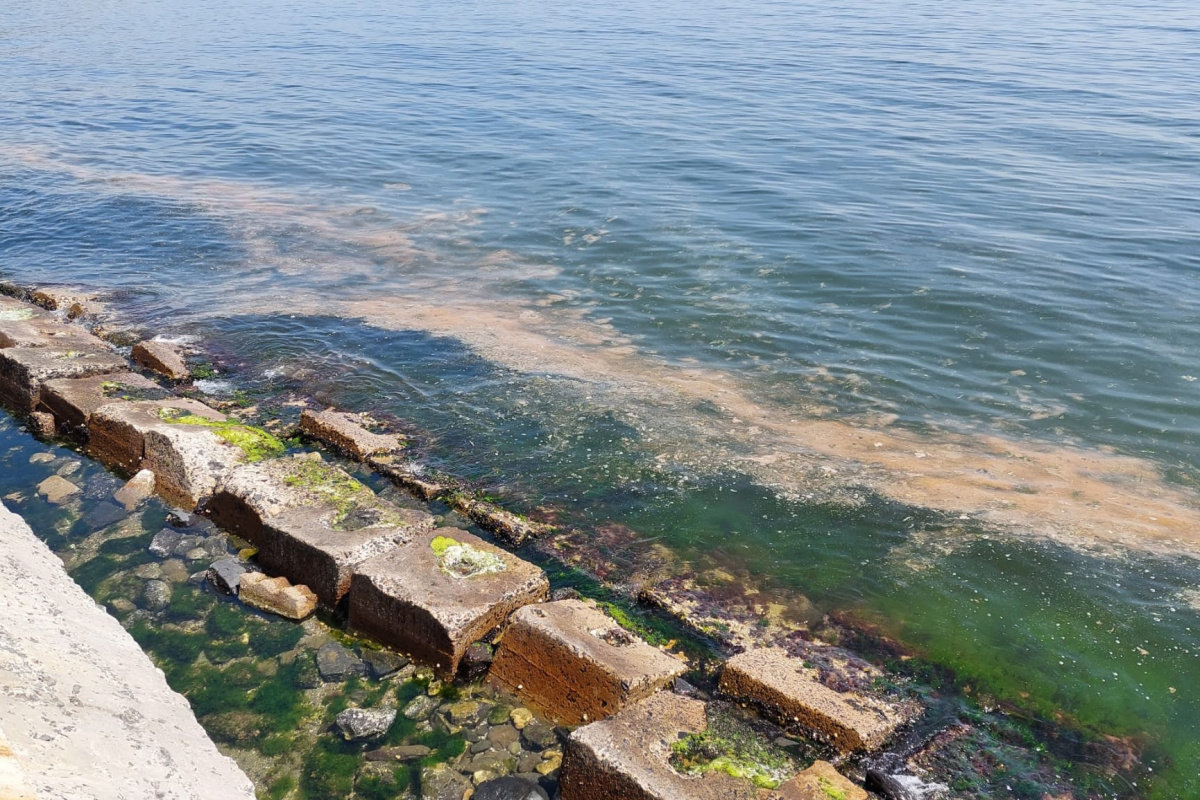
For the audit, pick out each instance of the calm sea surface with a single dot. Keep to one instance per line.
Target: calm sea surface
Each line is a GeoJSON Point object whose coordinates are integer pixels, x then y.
{"type": "Point", "coordinates": [896, 305]}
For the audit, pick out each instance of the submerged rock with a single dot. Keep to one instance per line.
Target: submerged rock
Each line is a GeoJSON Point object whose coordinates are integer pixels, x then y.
{"type": "Point", "coordinates": [365, 723]}
{"type": "Point", "coordinates": [408, 752]}
{"type": "Point", "coordinates": [277, 596]}
{"type": "Point", "coordinates": [510, 788]}
{"type": "Point", "coordinates": [56, 490]}
{"type": "Point", "coordinates": [383, 663]}
{"type": "Point", "coordinates": [136, 491]}
{"type": "Point", "coordinates": [157, 594]}
{"type": "Point", "coordinates": [164, 542]}
{"type": "Point", "coordinates": [440, 782]}
{"type": "Point", "coordinates": [226, 575]}
{"type": "Point", "coordinates": [336, 663]}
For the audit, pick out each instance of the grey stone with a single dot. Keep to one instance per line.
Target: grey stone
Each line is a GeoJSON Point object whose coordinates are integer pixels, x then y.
{"type": "Point", "coordinates": [440, 782]}
{"type": "Point", "coordinates": [336, 663]}
{"type": "Point", "coordinates": [103, 514]}
{"type": "Point", "coordinates": [538, 735]}
{"type": "Point", "coordinates": [503, 735]}
{"type": "Point", "coordinates": [481, 747]}
{"type": "Point", "coordinates": [408, 752]}
{"type": "Point", "coordinates": [226, 574]}
{"type": "Point", "coordinates": [156, 594]}
{"type": "Point", "coordinates": [164, 542]}
{"type": "Point", "coordinates": [187, 543]}
{"type": "Point", "coordinates": [510, 788]}
{"type": "Point", "coordinates": [365, 723]}
{"type": "Point", "coordinates": [421, 707]}
{"type": "Point", "coordinates": [383, 663]}
{"type": "Point", "coordinates": [467, 713]}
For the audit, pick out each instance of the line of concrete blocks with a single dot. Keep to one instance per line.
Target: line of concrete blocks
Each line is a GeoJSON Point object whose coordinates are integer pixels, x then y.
{"type": "Point", "coordinates": [430, 593]}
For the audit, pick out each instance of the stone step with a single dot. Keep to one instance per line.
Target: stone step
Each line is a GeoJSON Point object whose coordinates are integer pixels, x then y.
{"type": "Point", "coordinates": [436, 596]}
{"type": "Point", "coordinates": [791, 694]}
{"type": "Point", "coordinates": [72, 400]}
{"type": "Point", "coordinates": [311, 521]}
{"type": "Point", "coordinates": [346, 434]}
{"type": "Point", "coordinates": [628, 756]}
{"type": "Point", "coordinates": [187, 460]}
{"type": "Point", "coordinates": [571, 661]}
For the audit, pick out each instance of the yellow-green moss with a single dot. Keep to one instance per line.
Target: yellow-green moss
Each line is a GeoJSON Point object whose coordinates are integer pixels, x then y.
{"type": "Point", "coordinates": [732, 747]}
{"type": "Point", "coordinates": [256, 443]}
{"type": "Point", "coordinates": [464, 561]}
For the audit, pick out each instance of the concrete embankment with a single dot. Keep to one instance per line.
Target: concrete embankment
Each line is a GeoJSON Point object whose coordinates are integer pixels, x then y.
{"type": "Point", "coordinates": [85, 712]}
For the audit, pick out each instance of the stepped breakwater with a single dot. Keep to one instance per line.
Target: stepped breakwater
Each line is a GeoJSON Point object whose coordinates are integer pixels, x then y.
{"type": "Point", "coordinates": [342, 432]}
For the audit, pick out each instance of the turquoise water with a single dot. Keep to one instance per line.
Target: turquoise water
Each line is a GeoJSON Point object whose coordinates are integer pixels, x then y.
{"type": "Point", "coordinates": [757, 281]}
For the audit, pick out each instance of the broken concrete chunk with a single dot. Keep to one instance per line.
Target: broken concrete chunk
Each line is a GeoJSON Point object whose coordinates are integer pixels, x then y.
{"type": "Point", "coordinates": [311, 521]}
{"type": "Point", "coordinates": [571, 661]}
{"type": "Point", "coordinates": [136, 491]}
{"type": "Point", "coordinates": [56, 490]}
{"type": "Point", "coordinates": [821, 781]}
{"type": "Point", "coordinates": [225, 574]}
{"type": "Point", "coordinates": [434, 597]}
{"type": "Point", "coordinates": [345, 433]}
{"type": "Point", "coordinates": [187, 445]}
{"type": "Point", "coordinates": [162, 358]}
{"type": "Point", "coordinates": [792, 695]}
{"type": "Point", "coordinates": [276, 595]}
{"type": "Point", "coordinates": [628, 756]}
{"type": "Point", "coordinates": [72, 400]}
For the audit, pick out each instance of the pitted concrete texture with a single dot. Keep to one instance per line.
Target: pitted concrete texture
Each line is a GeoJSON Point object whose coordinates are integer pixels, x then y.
{"type": "Point", "coordinates": [72, 400]}
{"type": "Point", "coordinates": [160, 357]}
{"type": "Point", "coordinates": [821, 781]}
{"type": "Point", "coordinates": [85, 712]}
{"type": "Point", "coordinates": [344, 432]}
{"type": "Point", "coordinates": [571, 661]}
{"type": "Point", "coordinates": [187, 460]}
{"type": "Point", "coordinates": [67, 353]}
{"type": "Point", "coordinates": [406, 598]}
{"type": "Point", "coordinates": [313, 538]}
{"type": "Point", "coordinates": [792, 695]}
{"type": "Point", "coordinates": [627, 756]}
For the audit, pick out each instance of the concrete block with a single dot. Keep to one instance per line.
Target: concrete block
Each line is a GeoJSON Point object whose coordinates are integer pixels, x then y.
{"type": "Point", "coordinates": [346, 434]}
{"type": "Point", "coordinates": [72, 400]}
{"type": "Point", "coordinates": [433, 598]}
{"type": "Point", "coordinates": [573, 663]}
{"type": "Point", "coordinates": [75, 354]}
{"type": "Point", "coordinates": [162, 358]}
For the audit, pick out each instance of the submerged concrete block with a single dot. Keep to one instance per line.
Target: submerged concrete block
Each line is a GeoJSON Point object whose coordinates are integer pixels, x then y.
{"type": "Point", "coordinates": [571, 661]}
{"type": "Point", "coordinates": [345, 433]}
{"type": "Point", "coordinates": [311, 521]}
{"type": "Point", "coordinates": [628, 756]}
{"type": "Point", "coordinates": [433, 598]}
{"type": "Point", "coordinates": [187, 459]}
{"type": "Point", "coordinates": [512, 528]}
{"type": "Point", "coordinates": [790, 693]}
{"type": "Point", "coordinates": [72, 400]}
{"type": "Point", "coordinates": [73, 354]}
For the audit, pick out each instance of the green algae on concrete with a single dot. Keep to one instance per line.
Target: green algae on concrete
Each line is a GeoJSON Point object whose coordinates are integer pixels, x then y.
{"type": "Point", "coordinates": [731, 746]}
{"type": "Point", "coordinates": [464, 561]}
{"type": "Point", "coordinates": [256, 443]}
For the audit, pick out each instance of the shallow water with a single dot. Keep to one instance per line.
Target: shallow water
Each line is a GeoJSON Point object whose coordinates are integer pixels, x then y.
{"type": "Point", "coordinates": [761, 282]}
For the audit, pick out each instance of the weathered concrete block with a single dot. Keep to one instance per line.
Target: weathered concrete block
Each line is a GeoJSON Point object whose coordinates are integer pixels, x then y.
{"type": "Point", "coordinates": [21, 323]}
{"type": "Point", "coordinates": [792, 695]}
{"type": "Point", "coordinates": [442, 592]}
{"type": "Point", "coordinates": [628, 756]}
{"type": "Point", "coordinates": [345, 433]}
{"type": "Point", "coordinates": [571, 661]}
{"type": "Point", "coordinates": [75, 354]}
{"type": "Point", "coordinates": [512, 528]}
{"type": "Point", "coordinates": [311, 521]}
{"type": "Point", "coordinates": [162, 358]}
{"type": "Point", "coordinates": [187, 458]}
{"type": "Point", "coordinates": [276, 595]}
{"type": "Point", "coordinates": [821, 781]}
{"type": "Point", "coordinates": [72, 400]}
{"type": "Point", "coordinates": [409, 476]}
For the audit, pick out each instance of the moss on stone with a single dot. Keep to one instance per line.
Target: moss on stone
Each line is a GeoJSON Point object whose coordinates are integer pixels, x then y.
{"type": "Point", "coordinates": [829, 790]}
{"type": "Point", "coordinates": [732, 747]}
{"type": "Point", "coordinates": [256, 443]}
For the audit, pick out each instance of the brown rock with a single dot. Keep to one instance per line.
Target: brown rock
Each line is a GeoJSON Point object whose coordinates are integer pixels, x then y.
{"type": "Point", "coordinates": [410, 752]}
{"type": "Point", "coordinates": [42, 424]}
{"type": "Point", "coordinates": [572, 662]}
{"type": "Point", "coordinates": [311, 521]}
{"type": "Point", "coordinates": [276, 595]}
{"type": "Point", "coordinates": [791, 694]}
{"type": "Point", "coordinates": [628, 756]}
{"type": "Point", "coordinates": [57, 490]}
{"type": "Point", "coordinates": [70, 354]}
{"type": "Point", "coordinates": [160, 357]}
{"type": "Point", "coordinates": [72, 400]}
{"type": "Point", "coordinates": [432, 605]}
{"type": "Point", "coordinates": [187, 460]}
{"type": "Point", "coordinates": [821, 781]}
{"type": "Point", "coordinates": [345, 433]}
{"type": "Point", "coordinates": [409, 476]}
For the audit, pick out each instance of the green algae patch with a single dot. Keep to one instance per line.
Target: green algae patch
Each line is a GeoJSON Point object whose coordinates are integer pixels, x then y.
{"type": "Point", "coordinates": [256, 443]}
{"type": "Point", "coordinates": [829, 790]}
{"type": "Point", "coordinates": [732, 747]}
{"type": "Point", "coordinates": [357, 506]}
{"type": "Point", "coordinates": [460, 560]}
